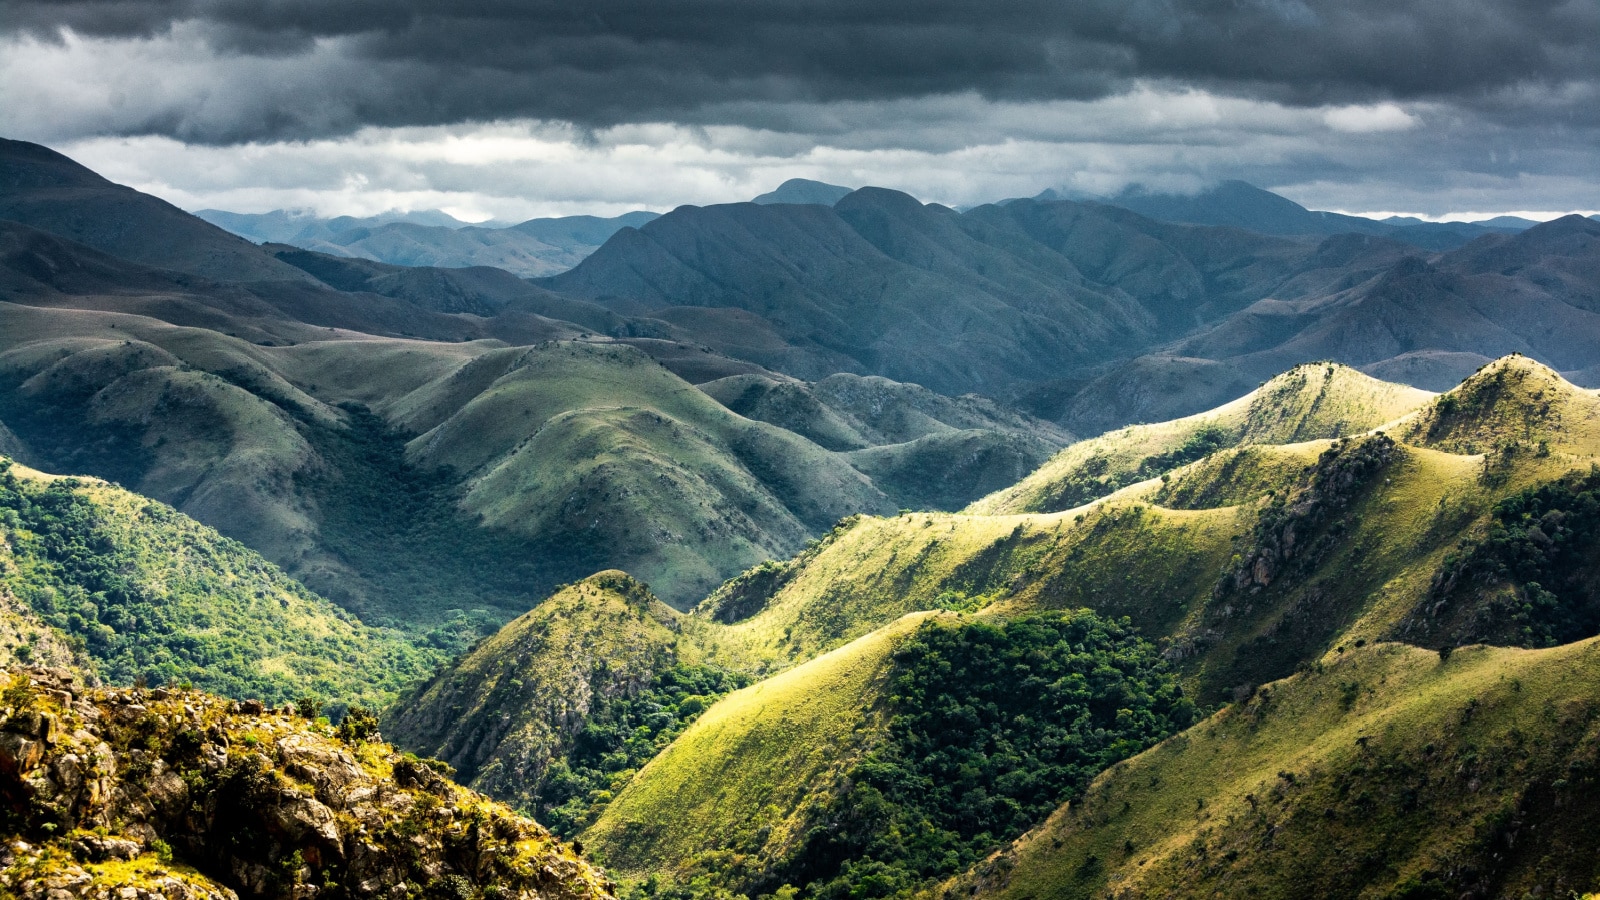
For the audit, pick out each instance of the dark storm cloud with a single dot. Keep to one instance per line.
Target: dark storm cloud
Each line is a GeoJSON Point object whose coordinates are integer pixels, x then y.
{"type": "Point", "coordinates": [419, 62]}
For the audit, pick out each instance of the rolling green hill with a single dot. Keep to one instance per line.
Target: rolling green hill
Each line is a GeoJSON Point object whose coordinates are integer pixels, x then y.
{"type": "Point", "coordinates": [844, 775]}
{"type": "Point", "coordinates": [1246, 561]}
{"type": "Point", "coordinates": [472, 451]}
{"type": "Point", "coordinates": [1246, 566]}
{"type": "Point", "coordinates": [743, 779]}
{"type": "Point", "coordinates": [269, 444]}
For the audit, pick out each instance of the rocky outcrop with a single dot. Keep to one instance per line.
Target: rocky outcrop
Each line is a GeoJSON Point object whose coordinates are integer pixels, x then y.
{"type": "Point", "coordinates": [1291, 534]}
{"type": "Point", "coordinates": [132, 793]}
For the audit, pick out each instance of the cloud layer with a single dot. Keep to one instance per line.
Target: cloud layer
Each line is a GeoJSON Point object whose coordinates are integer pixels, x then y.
{"type": "Point", "coordinates": [1362, 97]}
{"type": "Point", "coordinates": [271, 69]}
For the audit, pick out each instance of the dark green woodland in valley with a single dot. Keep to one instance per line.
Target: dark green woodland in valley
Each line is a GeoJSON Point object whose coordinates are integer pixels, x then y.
{"type": "Point", "coordinates": [834, 546]}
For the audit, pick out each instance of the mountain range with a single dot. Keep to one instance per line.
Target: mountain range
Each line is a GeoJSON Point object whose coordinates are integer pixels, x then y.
{"type": "Point", "coordinates": [532, 248]}
{"type": "Point", "coordinates": [336, 421]}
{"type": "Point", "coordinates": [1289, 585]}
{"type": "Point", "coordinates": [1242, 205]}
{"type": "Point", "coordinates": [835, 341]}
{"type": "Point", "coordinates": [796, 549]}
{"type": "Point", "coordinates": [1082, 313]}
{"type": "Point", "coordinates": [437, 239]}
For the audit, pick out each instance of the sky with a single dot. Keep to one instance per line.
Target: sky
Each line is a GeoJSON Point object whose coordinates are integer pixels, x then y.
{"type": "Point", "coordinates": [510, 109]}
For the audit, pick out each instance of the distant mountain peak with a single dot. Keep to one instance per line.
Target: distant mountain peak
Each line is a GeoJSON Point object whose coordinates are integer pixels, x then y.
{"type": "Point", "coordinates": [1236, 203]}
{"type": "Point", "coordinates": [804, 190]}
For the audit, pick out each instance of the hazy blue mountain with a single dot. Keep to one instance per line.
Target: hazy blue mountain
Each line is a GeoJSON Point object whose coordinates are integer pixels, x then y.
{"type": "Point", "coordinates": [804, 190]}
{"type": "Point", "coordinates": [574, 232]}
{"type": "Point", "coordinates": [1427, 322]}
{"type": "Point", "coordinates": [1499, 223]}
{"type": "Point", "coordinates": [287, 226]}
{"type": "Point", "coordinates": [984, 301]}
{"type": "Point", "coordinates": [432, 238]}
{"type": "Point", "coordinates": [1242, 205]}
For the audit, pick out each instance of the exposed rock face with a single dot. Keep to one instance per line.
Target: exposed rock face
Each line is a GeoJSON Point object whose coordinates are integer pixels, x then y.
{"type": "Point", "coordinates": [168, 793]}
{"type": "Point", "coordinates": [1281, 534]}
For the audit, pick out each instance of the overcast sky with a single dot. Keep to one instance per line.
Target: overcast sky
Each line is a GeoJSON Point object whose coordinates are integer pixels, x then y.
{"type": "Point", "coordinates": [514, 109]}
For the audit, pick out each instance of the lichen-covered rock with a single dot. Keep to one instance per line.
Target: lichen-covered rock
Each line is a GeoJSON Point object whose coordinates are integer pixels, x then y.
{"type": "Point", "coordinates": [129, 794]}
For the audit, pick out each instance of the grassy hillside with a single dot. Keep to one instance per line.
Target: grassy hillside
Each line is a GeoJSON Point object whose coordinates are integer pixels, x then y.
{"type": "Point", "coordinates": [851, 412]}
{"type": "Point", "coordinates": [1245, 566]}
{"type": "Point", "coordinates": [1121, 558]}
{"type": "Point", "coordinates": [599, 453]}
{"type": "Point", "coordinates": [271, 446]}
{"type": "Point", "coordinates": [1248, 561]}
{"type": "Point", "coordinates": [548, 712]}
{"type": "Point", "coordinates": [843, 775]}
{"type": "Point", "coordinates": [1384, 772]}
{"type": "Point", "coordinates": [923, 450]}
{"type": "Point", "coordinates": [137, 591]}
{"type": "Point", "coordinates": [556, 460]}
{"type": "Point", "coordinates": [1309, 402]}
{"type": "Point", "coordinates": [749, 770]}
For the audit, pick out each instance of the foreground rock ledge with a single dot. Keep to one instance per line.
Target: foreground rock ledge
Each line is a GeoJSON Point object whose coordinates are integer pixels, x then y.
{"type": "Point", "coordinates": [131, 794]}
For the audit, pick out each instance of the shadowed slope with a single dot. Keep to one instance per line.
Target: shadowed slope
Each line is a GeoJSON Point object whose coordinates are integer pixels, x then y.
{"type": "Point", "coordinates": [48, 191]}
{"type": "Point", "coordinates": [521, 704]}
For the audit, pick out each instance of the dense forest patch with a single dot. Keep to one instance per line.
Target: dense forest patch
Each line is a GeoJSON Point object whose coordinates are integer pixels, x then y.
{"type": "Point", "coordinates": [991, 727]}
{"type": "Point", "coordinates": [146, 593]}
{"type": "Point", "coordinates": [1529, 581]}
{"type": "Point", "coordinates": [622, 734]}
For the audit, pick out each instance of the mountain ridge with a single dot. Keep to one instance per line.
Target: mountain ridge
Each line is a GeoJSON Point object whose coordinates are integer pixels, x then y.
{"type": "Point", "coordinates": [1223, 562]}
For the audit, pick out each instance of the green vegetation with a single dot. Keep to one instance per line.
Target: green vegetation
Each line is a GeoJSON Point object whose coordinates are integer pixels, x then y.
{"type": "Point", "coordinates": [991, 727]}
{"type": "Point", "coordinates": [733, 794]}
{"type": "Point", "coordinates": [1315, 401]}
{"type": "Point", "coordinates": [900, 757]}
{"type": "Point", "coordinates": [556, 711]}
{"type": "Point", "coordinates": [1532, 574]}
{"type": "Point", "coordinates": [621, 734]}
{"type": "Point", "coordinates": [1247, 565]}
{"type": "Point", "coordinates": [1195, 446]}
{"type": "Point", "coordinates": [1425, 779]}
{"type": "Point", "coordinates": [375, 503]}
{"type": "Point", "coordinates": [146, 593]}
{"type": "Point", "coordinates": [173, 793]}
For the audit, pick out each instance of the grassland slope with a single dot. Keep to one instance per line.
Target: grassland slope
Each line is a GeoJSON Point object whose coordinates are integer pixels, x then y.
{"type": "Point", "coordinates": [748, 771]}
{"type": "Point", "coordinates": [1247, 565]}
{"type": "Point", "coordinates": [1309, 402]}
{"type": "Point", "coordinates": [517, 708]}
{"type": "Point", "coordinates": [1380, 772]}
